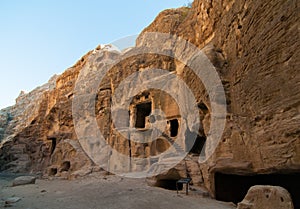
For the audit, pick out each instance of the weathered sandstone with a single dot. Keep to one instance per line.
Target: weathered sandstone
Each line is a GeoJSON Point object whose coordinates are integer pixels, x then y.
{"type": "Point", "coordinates": [254, 47]}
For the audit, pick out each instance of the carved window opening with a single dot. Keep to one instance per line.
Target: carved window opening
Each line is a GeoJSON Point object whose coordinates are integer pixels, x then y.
{"type": "Point", "coordinates": [174, 125]}
{"type": "Point", "coordinates": [142, 111]}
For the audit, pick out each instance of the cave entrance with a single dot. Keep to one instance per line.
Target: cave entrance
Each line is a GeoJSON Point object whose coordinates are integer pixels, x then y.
{"type": "Point", "coordinates": [65, 166]}
{"type": "Point", "coordinates": [233, 188]}
{"type": "Point", "coordinates": [53, 172]}
{"type": "Point", "coordinates": [174, 125]}
{"type": "Point", "coordinates": [169, 184]}
{"type": "Point", "coordinates": [142, 111]}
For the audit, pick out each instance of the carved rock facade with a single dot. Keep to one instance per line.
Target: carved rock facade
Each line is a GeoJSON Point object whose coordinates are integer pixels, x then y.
{"type": "Point", "coordinates": [253, 46]}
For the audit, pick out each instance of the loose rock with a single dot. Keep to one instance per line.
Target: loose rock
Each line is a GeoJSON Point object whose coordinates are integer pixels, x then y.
{"type": "Point", "coordinates": [23, 180]}
{"type": "Point", "coordinates": [12, 200]}
{"type": "Point", "coordinates": [267, 197]}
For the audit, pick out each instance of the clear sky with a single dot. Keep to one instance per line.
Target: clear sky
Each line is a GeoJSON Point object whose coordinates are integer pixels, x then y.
{"type": "Point", "coordinates": [40, 38]}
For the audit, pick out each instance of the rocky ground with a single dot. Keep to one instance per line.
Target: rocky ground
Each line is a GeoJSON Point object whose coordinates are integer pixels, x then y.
{"type": "Point", "coordinates": [98, 191]}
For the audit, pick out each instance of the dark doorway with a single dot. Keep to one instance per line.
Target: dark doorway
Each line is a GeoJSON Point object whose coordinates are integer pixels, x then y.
{"type": "Point", "coordinates": [142, 111]}
{"type": "Point", "coordinates": [233, 188]}
{"type": "Point", "coordinates": [174, 127]}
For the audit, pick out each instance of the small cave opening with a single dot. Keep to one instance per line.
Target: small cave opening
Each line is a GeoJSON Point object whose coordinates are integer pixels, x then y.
{"type": "Point", "coordinates": [52, 171]}
{"type": "Point", "coordinates": [142, 111]}
{"type": "Point", "coordinates": [65, 166]}
{"type": "Point", "coordinates": [33, 122]}
{"type": "Point", "coordinates": [169, 184]}
{"type": "Point", "coordinates": [233, 188]}
{"type": "Point", "coordinates": [203, 107]}
{"type": "Point", "coordinates": [174, 125]}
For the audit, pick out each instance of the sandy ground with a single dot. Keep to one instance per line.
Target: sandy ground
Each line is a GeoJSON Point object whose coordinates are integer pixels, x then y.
{"type": "Point", "coordinates": [97, 192]}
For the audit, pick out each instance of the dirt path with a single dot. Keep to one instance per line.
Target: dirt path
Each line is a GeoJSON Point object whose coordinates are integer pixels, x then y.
{"type": "Point", "coordinates": [97, 192]}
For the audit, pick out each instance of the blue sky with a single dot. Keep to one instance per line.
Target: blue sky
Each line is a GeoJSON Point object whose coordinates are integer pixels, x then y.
{"type": "Point", "coordinates": [40, 38]}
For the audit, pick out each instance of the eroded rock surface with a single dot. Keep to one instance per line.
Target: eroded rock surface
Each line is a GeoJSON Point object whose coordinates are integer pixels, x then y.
{"type": "Point", "coordinates": [267, 197]}
{"type": "Point", "coordinates": [254, 46]}
{"type": "Point", "coordinates": [260, 78]}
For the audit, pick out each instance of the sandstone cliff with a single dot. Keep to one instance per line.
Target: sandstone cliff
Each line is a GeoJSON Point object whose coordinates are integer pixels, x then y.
{"type": "Point", "coordinates": [254, 46]}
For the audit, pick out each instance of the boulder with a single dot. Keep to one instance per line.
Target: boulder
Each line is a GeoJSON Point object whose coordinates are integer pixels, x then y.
{"type": "Point", "coordinates": [266, 197]}
{"type": "Point", "coordinates": [23, 180]}
{"type": "Point", "coordinates": [12, 200]}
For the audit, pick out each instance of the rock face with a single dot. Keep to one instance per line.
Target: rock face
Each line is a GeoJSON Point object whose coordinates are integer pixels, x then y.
{"type": "Point", "coordinates": [14, 119]}
{"type": "Point", "coordinates": [267, 197]}
{"type": "Point", "coordinates": [5, 118]}
{"type": "Point", "coordinates": [38, 121]}
{"type": "Point", "coordinates": [257, 44]}
{"type": "Point", "coordinates": [253, 45]}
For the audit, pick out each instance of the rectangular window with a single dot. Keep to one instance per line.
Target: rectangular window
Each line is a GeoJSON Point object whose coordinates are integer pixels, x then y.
{"type": "Point", "coordinates": [142, 111]}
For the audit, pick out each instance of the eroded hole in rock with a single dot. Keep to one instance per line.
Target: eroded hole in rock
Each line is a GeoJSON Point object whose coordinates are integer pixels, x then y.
{"type": "Point", "coordinates": [53, 172]}
{"type": "Point", "coordinates": [53, 144]}
{"type": "Point", "coordinates": [194, 143]}
{"type": "Point", "coordinates": [169, 184]}
{"type": "Point", "coordinates": [33, 122]}
{"type": "Point", "coordinates": [65, 166]}
{"type": "Point", "coordinates": [233, 188]}
{"type": "Point", "coordinates": [203, 107]}
{"type": "Point", "coordinates": [174, 125]}
{"type": "Point", "coordinates": [198, 145]}
{"type": "Point", "coordinates": [159, 146]}
{"type": "Point", "coordinates": [142, 111]}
